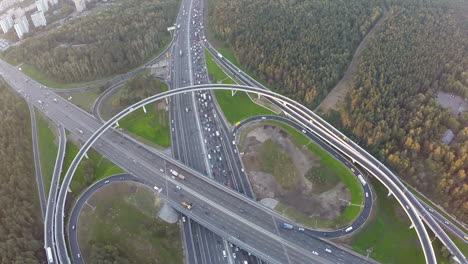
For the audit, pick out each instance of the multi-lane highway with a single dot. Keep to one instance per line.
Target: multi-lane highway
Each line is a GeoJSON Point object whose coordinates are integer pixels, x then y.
{"type": "Point", "coordinates": [217, 207]}
{"type": "Point", "coordinates": [195, 116]}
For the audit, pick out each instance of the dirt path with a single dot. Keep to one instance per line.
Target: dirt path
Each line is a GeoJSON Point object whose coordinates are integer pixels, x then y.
{"type": "Point", "coordinates": [338, 93]}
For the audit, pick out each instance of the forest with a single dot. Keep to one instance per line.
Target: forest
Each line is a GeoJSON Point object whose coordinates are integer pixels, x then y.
{"type": "Point", "coordinates": [392, 109]}
{"type": "Point", "coordinates": [299, 48]}
{"type": "Point", "coordinates": [102, 44]}
{"type": "Point", "coordinates": [21, 232]}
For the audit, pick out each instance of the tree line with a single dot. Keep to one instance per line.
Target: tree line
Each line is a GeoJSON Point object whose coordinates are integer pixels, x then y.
{"type": "Point", "coordinates": [105, 43]}
{"type": "Point", "coordinates": [21, 231]}
{"type": "Point", "coordinates": [299, 48]}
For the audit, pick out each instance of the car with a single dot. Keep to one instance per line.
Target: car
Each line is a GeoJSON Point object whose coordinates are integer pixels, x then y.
{"type": "Point", "coordinates": [73, 227]}
{"type": "Point", "coordinates": [178, 187]}
{"type": "Point", "coordinates": [234, 255]}
{"type": "Point", "coordinates": [300, 229]}
{"type": "Point", "coordinates": [328, 250]}
{"type": "Point", "coordinates": [315, 253]}
{"type": "Point", "coordinates": [183, 219]}
{"type": "Point", "coordinates": [79, 256]}
{"type": "Point", "coordinates": [106, 181]}
{"type": "Point", "coordinates": [224, 253]}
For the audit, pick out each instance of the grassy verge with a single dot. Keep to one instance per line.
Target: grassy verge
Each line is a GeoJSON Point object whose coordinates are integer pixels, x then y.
{"type": "Point", "coordinates": [124, 217]}
{"type": "Point", "coordinates": [47, 149]}
{"type": "Point", "coordinates": [90, 170]}
{"type": "Point", "coordinates": [237, 107]}
{"type": "Point", "coordinates": [330, 163]}
{"type": "Point", "coordinates": [152, 126]}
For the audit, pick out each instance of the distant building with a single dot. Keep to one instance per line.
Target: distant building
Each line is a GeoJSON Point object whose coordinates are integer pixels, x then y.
{"type": "Point", "coordinates": [42, 5]}
{"type": "Point", "coordinates": [6, 23]}
{"type": "Point", "coordinates": [80, 5]}
{"type": "Point", "coordinates": [5, 4]}
{"type": "Point", "coordinates": [22, 26]}
{"type": "Point", "coordinates": [18, 12]}
{"type": "Point", "coordinates": [38, 19]}
{"type": "Point", "coordinates": [448, 136]}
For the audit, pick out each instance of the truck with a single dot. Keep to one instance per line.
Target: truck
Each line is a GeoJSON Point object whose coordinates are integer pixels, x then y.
{"type": "Point", "coordinates": [237, 124]}
{"type": "Point", "coordinates": [187, 205]}
{"type": "Point", "coordinates": [180, 53]}
{"type": "Point", "coordinates": [217, 133]}
{"type": "Point", "coordinates": [286, 226]}
{"type": "Point", "coordinates": [176, 174]}
{"type": "Point", "coordinates": [50, 257]}
{"type": "Point", "coordinates": [348, 229]}
{"type": "Point", "coordinates": [361, 179]}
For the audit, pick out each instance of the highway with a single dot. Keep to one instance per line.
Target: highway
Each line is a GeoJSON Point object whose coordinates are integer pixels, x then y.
{"type": "Point", "coordinates": [217, 207]}
{"type": "Point", "coordinates": [191, 114]}
{"type": "Point", "coordinates": [348, 144]}
{"type": "Point", "coordinates": [49, 239]}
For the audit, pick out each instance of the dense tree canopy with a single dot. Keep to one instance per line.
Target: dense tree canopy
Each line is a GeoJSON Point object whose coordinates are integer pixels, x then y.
{"type": "Point", "coordinates": [300, 48]}
{"type": "Point", "coordinates": [104, 43]}
{"type": "Point", "coordinates": [20, 218]}
{"type": "Point", "coordinates": [392, 107]}
{"type": "Point", "coordinates": [106, 254]}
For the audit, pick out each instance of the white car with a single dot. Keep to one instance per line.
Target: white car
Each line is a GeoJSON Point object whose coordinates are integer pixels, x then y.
{"type": "Point", "coordinates": [315, 253]}
{"type": "Point", "coordinates": [300, 229]}
{"type": "Point", "coordinates": [178, 187]}
{"type": "Point", "coordinates": [328, 250]}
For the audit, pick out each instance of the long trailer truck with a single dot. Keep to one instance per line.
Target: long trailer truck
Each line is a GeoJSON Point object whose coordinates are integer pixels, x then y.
{"type": "Point", "coordinates": [50, 257]}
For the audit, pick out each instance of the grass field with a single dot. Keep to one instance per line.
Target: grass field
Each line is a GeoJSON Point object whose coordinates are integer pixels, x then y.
{"type": "Point", "coordinates": [125, 217]}
{"type": "Point", "coordinates": [237, 107]}
{"type": "Point", "coordinates": [47, 149]}
{"type": "Point", "coordinates": [328, 162]}
{"type": "Point", "coordinates": [388, 234]}
{"type": "Point", "coordinates": [98, 166]}
{"type": "Point", "coordinates": [276, 161]}
{"type": "Point", "coordinates": [323, 177]}
{"type": "Point", "coordinates": [153, 126]}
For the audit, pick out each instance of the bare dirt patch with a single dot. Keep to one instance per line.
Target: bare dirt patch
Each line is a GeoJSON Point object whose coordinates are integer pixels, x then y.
{"type": "Point", "coordinates": [327, 205]}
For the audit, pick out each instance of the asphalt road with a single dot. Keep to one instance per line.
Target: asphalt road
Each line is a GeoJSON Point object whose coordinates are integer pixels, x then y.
{"type": "Point", "coordinates": [49, 238]}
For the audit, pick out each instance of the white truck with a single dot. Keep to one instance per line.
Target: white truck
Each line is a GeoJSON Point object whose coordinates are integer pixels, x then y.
{"type": "Point", "coordinates": [220, 55]}
{"type": "Point", "coordinates": [50, 257]}
{"type": "Point", "coordinates": [348, 229]}
{"type": "Point", "coordinates": [362, 179]}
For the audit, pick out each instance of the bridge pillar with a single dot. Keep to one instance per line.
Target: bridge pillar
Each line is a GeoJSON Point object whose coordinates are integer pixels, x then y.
{"type": "Point", "coordinates": [117, 123]}
{"type": "Point", "coordinates": [144, 109]}
{"type": "Point", "coordinates": [389, 193]}
{"type": "Point", "coordinates": [412, 226]}
{"type": "Point", "coordinates": [86, 155]}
